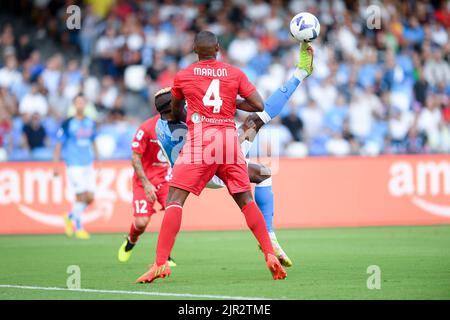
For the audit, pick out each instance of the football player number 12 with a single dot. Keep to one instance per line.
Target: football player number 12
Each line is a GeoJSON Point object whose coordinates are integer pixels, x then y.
{"type": "Point", "coordinates": [213, 91]}
{"type": "Point", "coordinates": [141, 206]}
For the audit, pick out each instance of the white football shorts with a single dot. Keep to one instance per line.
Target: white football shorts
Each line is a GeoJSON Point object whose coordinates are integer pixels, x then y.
{"type": "Point", "coordinates": [80, 179]}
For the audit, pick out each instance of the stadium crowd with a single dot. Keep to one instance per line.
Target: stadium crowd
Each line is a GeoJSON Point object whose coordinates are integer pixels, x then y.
{"type": "Point", "coordinates": [379, 90]}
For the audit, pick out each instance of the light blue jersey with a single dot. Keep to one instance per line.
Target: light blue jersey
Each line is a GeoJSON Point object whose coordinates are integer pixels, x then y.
{"type": "Point", "coordinates": [171, 138]}
{"type": "Point", "coordinates": [76, 137]}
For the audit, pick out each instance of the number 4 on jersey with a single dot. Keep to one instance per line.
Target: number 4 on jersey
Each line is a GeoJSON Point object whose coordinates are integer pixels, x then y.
{"type": "Point", "coordinates": [213, 90]}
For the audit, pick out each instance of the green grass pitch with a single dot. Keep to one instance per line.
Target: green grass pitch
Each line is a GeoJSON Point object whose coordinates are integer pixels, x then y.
{"type": "Point", "coordinates": [328, 264]}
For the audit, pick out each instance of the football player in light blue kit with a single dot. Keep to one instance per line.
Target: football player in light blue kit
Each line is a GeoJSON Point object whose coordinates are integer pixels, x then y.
{"type": "Point", "coordinates": [171, 139]}
{"type": "Point", "coordinates": [76, 141]}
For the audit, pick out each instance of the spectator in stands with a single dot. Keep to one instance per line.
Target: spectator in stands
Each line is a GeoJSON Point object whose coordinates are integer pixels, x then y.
{"type": "Point", "coordinates": [312, 118]}
{"type": "Point", "coordinates": [336, 115]}
{"type": "Point", "coordinates": [272, 140]}
{"type": "Point", "coordinates": [243, 48]}
{"type": "Point", "coordinates": [88, 32]}
{"type": "Point", "coordinates": [400, 124]}
{"type": "Point", "coordinates": [421, 88]}
{"type": "Point", "coordinates": [8, 102]}
{"type": "Point", "coordinates": [436, 69]}
{"type": "Point", "coordinates": [33, 102]}
{"type": "Point", "coordinates": [429, 122]}
{"type": "Point", "coordinates": [165, 78]}
{"type": "Point", "coordinates": [293, 122]}
{"type": "Point", "coordinates": [24, 47]}
{"type": "Point", "coordinates": [52, 75]}
{"type": "Point", "coordinates": [338, 146]}
{"type": "Point", "coordinates": [109, 94]}
{"type": "Point", "coordinates": [105, 49]}
{"type": "Point", "coordinates": [360, 74]}
{"type": "Point", "coordinates": [5, 137]}
{"type": "Point", "coordinates": [9, 74]}
{"type": "Point", "coordinates": [7, 45]}
{"type": "Point", "coordinates": [34, 135]}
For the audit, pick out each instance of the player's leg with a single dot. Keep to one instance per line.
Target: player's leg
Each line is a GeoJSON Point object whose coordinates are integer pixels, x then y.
{"type": "Point", "coordinates": [170, 227]}
{"type": "Point", "coordinates": [137, 228]}
{"type": "Point", "coordinates": [161, 194]}
{"type": "Point", "coordinates": [81, 182]}
{"type": "Point", "coordinates": [86, 185]}
{"type": "Point", "coordinates": [304, 68]}
{"type": "Point", "coordinates": [276, 102]}
{"type": "Point", "coordinates": [235, 176]}
{"type": "Point", "coordinates": [142, 212]}
{"type": "Point", "coordinates": [187, 178]}
{"type": "Point", "coordinates": [264, 198]}
{"type": "Point", "coordinates": [81, 203]}
{"type": "Point", "coordinates": [72, 220]}
{"type": "Point", "coordinates": [256, 224]}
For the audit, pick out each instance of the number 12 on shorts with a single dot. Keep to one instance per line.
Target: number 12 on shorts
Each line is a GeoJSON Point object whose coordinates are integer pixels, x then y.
{"type": "Point", "coordinates": [213, 90]}
{"type": "Point", "coordinates": [140, 206]}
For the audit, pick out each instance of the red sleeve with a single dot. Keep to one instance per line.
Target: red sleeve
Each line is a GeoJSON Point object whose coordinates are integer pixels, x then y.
{"type": "Point", "coordinates": [140, 141]}
{"type": "Point", "coordinates": [246, 88]}
{"type": "Point", "coordinates": [177, 90]}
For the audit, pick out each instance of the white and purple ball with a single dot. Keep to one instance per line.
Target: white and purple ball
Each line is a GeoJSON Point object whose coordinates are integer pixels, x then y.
{"type": "Point", "coordinates": [305, 27]}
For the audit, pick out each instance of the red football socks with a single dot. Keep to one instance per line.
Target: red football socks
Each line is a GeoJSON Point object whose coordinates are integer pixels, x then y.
{"type": "Point", "coordinates": [169, 229]}
{"type": "Point", "coordinates": [134, 234]}
{"type": "Point", "coordinates": [255, 222]}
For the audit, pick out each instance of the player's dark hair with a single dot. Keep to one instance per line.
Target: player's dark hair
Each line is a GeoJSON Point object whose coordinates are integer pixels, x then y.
{"type": "Point", "coordinates": [206, 45]}
{"type": "Point", "coordinates": [206, 39]}
{"type": "Point", "coordinates": [162, 101]}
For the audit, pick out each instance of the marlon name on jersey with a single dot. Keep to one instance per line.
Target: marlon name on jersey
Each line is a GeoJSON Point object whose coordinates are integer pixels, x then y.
{"type": "Point", "coordinates": [209, 72]}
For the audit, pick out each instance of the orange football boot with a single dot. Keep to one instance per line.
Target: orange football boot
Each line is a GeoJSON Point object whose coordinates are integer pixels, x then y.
{"type": "Point", "coordinates": [155, 272]}
{"type": "Point", "coordinates": [275, 267]}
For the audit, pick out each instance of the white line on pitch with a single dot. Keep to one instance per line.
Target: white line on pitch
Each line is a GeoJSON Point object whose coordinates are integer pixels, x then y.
{"type": "Point", "coordinates": [143, 293]}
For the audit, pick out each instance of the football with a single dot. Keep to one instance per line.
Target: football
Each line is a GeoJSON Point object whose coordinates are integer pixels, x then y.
{"type": "Point", "coordinates": [305, 27]}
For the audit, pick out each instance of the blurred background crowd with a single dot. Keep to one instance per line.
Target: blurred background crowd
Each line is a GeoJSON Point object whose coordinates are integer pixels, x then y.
{"type": "Point", "coordinates": [374, 90]}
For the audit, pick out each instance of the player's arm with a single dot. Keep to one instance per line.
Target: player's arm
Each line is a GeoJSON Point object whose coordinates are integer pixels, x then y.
{"type": "Point", "coordinates": [61, 137]}
{"type": "Point", "coordinates": [138, 147]}
{"type": "Point", "coordinates": [95, 148]}
{"type": "Point", "coordinates": [94, 143]}
{"type": "Point", "coordinates": [149, 188]}
{"type": "Point", "coordinates": [176, 105]}
{"type": "Point", "coordinates": [250, 128]}
{"type": "Point", "coordinates": [252, 103]}
{"type": "Point", "coordinates": [56, 158]}
{"type": "Point", "coordinates": [177, 100]}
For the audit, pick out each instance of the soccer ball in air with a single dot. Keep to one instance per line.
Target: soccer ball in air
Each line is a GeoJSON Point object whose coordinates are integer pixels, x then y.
{"type": "Point", "coordinates": [305, 27]}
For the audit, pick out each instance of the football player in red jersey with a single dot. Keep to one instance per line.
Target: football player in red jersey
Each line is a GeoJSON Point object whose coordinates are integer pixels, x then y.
{"type": "Point", "coordinates": [150, 179]}
{"type": "Point", "coordinates": [210, 88]}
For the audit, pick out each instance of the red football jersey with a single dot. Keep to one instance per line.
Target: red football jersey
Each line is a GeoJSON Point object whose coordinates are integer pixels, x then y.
{"type": "Point", "coordinates": [155, 164]}
{"type": "Point", "coordinates": [210, 88]}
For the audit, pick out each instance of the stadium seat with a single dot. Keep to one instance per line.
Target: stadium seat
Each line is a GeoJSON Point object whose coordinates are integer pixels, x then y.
{"type": "Point", "coordinates": [17, 126]}
{"type": "Point", "coordinates": [19, 154]}
{"type": "Point", "coordinates": [42, 154]}
{"type": "Point", "coordinates": [317, 146]}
